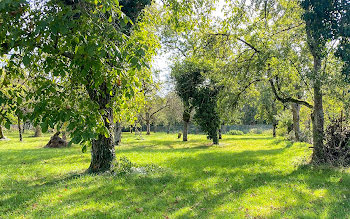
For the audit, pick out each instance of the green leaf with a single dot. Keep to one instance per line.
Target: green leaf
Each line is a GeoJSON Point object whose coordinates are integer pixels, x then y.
{"type": "Point", "coordinates": [26, 61]}
{"type": "Point", "coordinates": [84, 148]}
{"type": "Point", "coordinates": [19, 100]}
{"type": "Point", "coordinates": [8, 125]}
{"type": "Point", "coordinates": [44, 126]}
{"type": "Point", "coordinates": [76, 139]}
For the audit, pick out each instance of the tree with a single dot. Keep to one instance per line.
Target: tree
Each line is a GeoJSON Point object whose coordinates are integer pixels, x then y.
{"type": "Point", "coordinates": [325, 20]}
{"type": "Point", "coordinates": [90, 46]}
{"type": "Point", "coordinates": [171, 115]}
{"type": "Point", "coordinates": [187, 76]}
{"type": "Point", "coordinates": [207, 116]}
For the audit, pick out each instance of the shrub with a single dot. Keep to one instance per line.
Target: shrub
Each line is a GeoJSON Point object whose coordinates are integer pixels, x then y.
{"type": "Point", "coordinates": [235, 132]}
{"type": "Point", "coordinates": [337, 146]}
{"type": "Point", "coordinates": [255, 131]}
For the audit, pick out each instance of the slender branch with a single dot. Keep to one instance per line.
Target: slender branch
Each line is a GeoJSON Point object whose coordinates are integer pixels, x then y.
{"type": "Point", "coordinates": [288, 99]}
{"type": "Point", "coordinates": [240, 39]}
{"type": "Point", "coordinates": [163, 107]}
{"type": "Point", "coordinates": [288, 28]}
{"type": "Point", "coordinates": [248, 44]}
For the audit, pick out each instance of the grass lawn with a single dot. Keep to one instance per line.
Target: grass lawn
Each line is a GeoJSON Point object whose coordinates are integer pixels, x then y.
{"type": "Point", "coordinates": [246, 176]}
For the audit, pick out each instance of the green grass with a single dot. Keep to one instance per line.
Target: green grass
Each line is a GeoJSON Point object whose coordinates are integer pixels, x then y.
{"type": "Point", "coordinates": [246, 176]}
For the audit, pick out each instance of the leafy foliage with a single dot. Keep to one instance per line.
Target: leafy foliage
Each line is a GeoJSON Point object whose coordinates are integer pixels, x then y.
{"type": "Point", "coordinates": [235, 132]}
{"type": "Point", "coordinates": [83, 63]}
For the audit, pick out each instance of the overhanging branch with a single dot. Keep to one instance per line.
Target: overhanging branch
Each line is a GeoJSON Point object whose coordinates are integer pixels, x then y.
{"type": "Point", "coordinates": [288, 99]}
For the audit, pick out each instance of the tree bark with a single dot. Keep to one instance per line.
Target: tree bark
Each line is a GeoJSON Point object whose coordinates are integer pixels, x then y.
{"type": "Point", "coordinates": [220, 135]}
{"type": "Point", "coordinates": [318, 155]}
{"type": "Point", "coordinates": [274, 126]}
{"type": "Point", "coordinates": [215, 139]}
{"type": "Point", "coordinates": [38, 132]}
{"type": "Point", "coordinates": [296, 120]}
{"type": "Point", "coordinates": [117, 133]}
{"type": "Point", "coordinates": [168, 130]}
{"type": "Point", "coordinates": [186, 119]}
{"type": "Point", "coordinates": [102, 150]}
{"type": "Point", "coordinates": [1, 133]}
{"type": "Point", "coordinates": [148, 123]}
{"type": "Point", "coordinates": [19, 129]}
{"type": "Point", "coordinates": [185, 131]}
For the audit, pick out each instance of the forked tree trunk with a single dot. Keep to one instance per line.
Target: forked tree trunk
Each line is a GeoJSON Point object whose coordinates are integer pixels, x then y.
{"type": "Point", "coordinates": [1, 133]}
{"type": "Point", "coordinates": [318, 155]}
{"type": "Point", "coordinates": [38, 131]}
{"type": "Point", "coordinates": [117, 133]}
{"type": "Point", "coordinates": [296, 120]}
{"type": "Point", "coordinates": [19, 129]}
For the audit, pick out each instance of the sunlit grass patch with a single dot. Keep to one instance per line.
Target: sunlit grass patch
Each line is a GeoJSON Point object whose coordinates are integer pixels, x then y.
{"type": "Point", "coordinates": [245, 176]}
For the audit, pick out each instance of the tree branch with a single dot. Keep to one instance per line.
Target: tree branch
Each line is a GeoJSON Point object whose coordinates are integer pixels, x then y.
{"type": "Point", "coordinates": [288, 99]}
{"type": "Point", "coordinates": [157, 111]}
{"type": "Point", "coordinates": [248, 44]}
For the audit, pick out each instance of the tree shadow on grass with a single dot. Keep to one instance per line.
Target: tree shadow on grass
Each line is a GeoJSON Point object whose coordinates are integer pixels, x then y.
{"type": "Point", "coordinates": [195, 185]}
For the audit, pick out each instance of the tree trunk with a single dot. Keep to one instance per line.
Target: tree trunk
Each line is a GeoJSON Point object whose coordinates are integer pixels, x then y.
{"type": "Point", "coordinates": [64, 135]}
{"type": "Point", "coordinates": [102, 150]}
{"type": "Point", "coordinates": [19, 129]}
{"type": "Point", "coordinates": [220, 135]}
{"type": "Point", "coordinates": [168, 130]}
{"type": "Point", "coordinates": [296, 120]}
{"type": "Point", "coordinates": [215, 139]}
{"type": "Point", "coordinates": [318, 155]}
{"type": "Point", "coordinates": [23, 126]}
{"type": "Point", "coordinates": [38, 132]}
{"type": "Point", "coordinates": [185, 131]}
{"type": "Point", "coordinates": [1, 133]}
{"type": "Point", "coordinates": [274, 126]}
{"type": "Point", "coordinates": [117, 133]}
{"type": "Point", "coordinates": [186, 119]}
{"type": "Point", "coordinates": [148, 124]}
